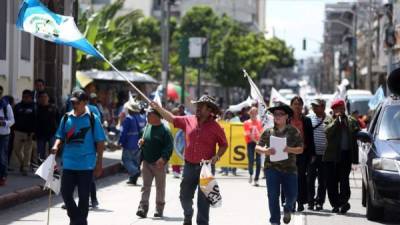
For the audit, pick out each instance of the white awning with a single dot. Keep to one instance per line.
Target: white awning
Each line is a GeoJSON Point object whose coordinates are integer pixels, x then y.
{"type": "Point", "coordinates": [135, 77]}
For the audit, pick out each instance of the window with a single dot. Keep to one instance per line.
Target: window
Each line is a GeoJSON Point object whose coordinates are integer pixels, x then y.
{"type": "Point", "coordinates": [25, 46]}
{"type": "Point", "coordinates": [389, 128]}
{"type": "Point", "coordinates": [3, 30]}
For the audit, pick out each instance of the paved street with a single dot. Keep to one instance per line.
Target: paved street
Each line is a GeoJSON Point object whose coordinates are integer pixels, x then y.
{"type": "Point", "coordinates": [242, 205]}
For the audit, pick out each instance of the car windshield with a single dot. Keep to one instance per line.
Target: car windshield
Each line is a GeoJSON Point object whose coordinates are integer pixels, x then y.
{"type": "Point", "coordinates": [361, 105]}
{"type": "Point", "coordinates": [390, 125]}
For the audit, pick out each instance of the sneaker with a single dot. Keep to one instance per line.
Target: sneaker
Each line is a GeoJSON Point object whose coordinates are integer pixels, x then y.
{"type": "Point", "coordinates": [141, 213]}
{"type": "Point", "coordinates": [335, 209]}
{"type": "Point", "coordinates": [256, 183]}
{"type": "Point", "coordinates": [300, 208]}
{"type": "Point", "coordinates": [158, 214]}
{"type": "Point", "coordinates": [187, 223]}
{"type": "Point", "coordinates": [310, 207]}
{"type": "Point", "coordinates": [250, 179]}
{"type": "Point", "coordinates": [63, 206]}
{"type": "Point", "coordinates": [95, 203]}
{"type": "Point", "coordinates": [319, 207]}
{"type": "Point", "coordinates": [132, 181]}
{"type": "Point", "coordinates": [287, 216]}
{"type": "Point", "coordinates": [345, 208]}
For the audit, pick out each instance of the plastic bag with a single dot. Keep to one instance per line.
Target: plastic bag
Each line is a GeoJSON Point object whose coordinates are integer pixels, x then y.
{"type": "Point", "coordinates": [209, 186]}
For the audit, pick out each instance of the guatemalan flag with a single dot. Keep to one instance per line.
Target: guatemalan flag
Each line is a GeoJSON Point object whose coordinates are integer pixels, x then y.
{"type": "Point", "coordinates": [38, 20]}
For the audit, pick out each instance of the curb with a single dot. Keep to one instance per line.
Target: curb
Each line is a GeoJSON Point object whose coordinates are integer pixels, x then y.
{"type": "Point", "coordinates": [28, 194]}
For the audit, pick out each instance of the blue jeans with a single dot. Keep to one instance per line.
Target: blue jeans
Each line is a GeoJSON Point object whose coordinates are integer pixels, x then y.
{"type": "Point", "coordinates": [189, 184]}
{"type": "Point", "coordinates": [250, 154]}
{"type": "Point", "coordinates": [131, 161]}
{"type": "Point", "coordinates": [288, 181]}
{"type": "Point", "coordinates": [81, 179]}
{"type": "Point", "coordinates": [41, 146]}
{"type": "Point", "coordinates": [3, 155]}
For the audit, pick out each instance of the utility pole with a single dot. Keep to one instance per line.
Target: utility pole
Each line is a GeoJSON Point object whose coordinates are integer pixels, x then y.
{"type": "Point", "coordinates": [165, 14]}
{"type": "Point", "coordinates": [355, 18]}
{"type": "Point", "coordinates": [368, 85]}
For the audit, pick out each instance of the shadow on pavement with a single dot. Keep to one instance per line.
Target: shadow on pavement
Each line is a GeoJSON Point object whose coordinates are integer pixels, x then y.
{"type": "Point", "coordinates": [169, 219]}
{"type": "Point", "coordinates": [41, 204]}
{"type": "Point", "coordinates": [320, 213]}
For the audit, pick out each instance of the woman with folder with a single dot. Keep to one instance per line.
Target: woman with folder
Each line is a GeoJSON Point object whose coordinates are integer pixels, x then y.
{"type": "Point", "coordinates": [280, 163]}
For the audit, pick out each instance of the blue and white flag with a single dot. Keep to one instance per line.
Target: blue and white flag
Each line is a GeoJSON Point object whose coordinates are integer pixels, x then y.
{"type": "Point", "coordinates": [38, 20]}
{"type": "Point", "coordinates": [378, 98]}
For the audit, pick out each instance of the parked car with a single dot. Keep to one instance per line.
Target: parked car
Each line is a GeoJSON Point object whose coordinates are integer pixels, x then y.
{"type": "Point", "coordinates": [357, 100]}
{"type": "Point", "coordinates": [379, 154]}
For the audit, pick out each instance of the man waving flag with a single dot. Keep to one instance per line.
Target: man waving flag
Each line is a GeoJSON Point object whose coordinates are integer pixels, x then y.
{"type": "Point", "coordinates": [38, 20]}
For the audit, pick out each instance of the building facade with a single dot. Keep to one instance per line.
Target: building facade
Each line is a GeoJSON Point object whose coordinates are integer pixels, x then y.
{"type": "Point", "coordinates": [24, 58]}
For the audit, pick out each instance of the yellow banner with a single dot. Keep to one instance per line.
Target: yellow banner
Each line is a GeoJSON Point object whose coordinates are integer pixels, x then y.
{"type": "Point", "coordinates": [235, 155]}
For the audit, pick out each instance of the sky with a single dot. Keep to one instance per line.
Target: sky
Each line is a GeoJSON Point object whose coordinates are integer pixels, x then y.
{"type": "Point", "coordinates": [294, 20]}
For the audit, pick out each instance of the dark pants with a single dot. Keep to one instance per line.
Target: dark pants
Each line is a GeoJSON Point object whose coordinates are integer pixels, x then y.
{"type": "Point", "coordinates": [3, 155]}
{"type": "Point", "coordinates": [250, 154]}
{"type": "Point", "coordinates": [189, 184]}
{"type": "Point", "coordinates": [275, 180]}
{"type": "Point", "coordinates": [81, 179]}
{"type": "Point", "coordinates": [316, 170]}
{"type": "Point", "coordinates": [93, 194]}
{"type": "Point", "coordinates": [302, 164]}
{"type": "Point", "coordinates": [338, 180]}
{"type": "Point", "coordinates": [41, 146]}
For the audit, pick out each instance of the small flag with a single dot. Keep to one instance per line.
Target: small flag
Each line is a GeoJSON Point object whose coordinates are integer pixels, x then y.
{"type": "Point", "coordinates": [46, 171]}
{"type": "Point", "coordinates": [378, 98]}
{"type": "Point", "coordinates": [35, 18]}
{"type": "Point", "coordinates": [256, 95]}
{"type": "Point", "coordinates": [276, 97]}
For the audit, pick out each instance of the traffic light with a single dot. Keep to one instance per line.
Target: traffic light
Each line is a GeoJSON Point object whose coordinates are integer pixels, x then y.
{"type": "Point", "coordinates": [304, 44]}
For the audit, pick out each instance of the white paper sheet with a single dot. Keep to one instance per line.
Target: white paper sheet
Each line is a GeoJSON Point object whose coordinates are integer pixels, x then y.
{"type": "Point", "coordinates": [279, 145]}
{"type": "Point", "coordinates": [46, 171]}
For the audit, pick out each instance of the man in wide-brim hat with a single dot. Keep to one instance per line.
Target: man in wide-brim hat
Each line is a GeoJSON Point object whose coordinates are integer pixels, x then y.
{"type": "Point", "coordinates": [281, 106]}
{"type": "Point", "coordinates": [203, 133]}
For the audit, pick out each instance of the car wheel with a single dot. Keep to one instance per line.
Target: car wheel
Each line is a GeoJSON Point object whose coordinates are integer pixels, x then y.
{"type": "Point", "coordinates": [373, 213]}
{"type": "Point", "coordinates": [363, 195]}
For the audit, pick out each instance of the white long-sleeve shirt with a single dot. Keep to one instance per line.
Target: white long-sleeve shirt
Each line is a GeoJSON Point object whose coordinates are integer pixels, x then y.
{"type": "Point", "coordinates": [4, 130]}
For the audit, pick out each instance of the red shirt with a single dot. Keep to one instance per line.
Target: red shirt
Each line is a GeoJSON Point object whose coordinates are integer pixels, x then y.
{"type": "Point", "coordinates": [252, 128]}
{"type": "Point", "coordinates": [201, 139]}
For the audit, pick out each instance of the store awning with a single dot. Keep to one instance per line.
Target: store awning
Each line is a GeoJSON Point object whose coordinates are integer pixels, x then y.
{"type": "Point", "coordinates": [135, 77]}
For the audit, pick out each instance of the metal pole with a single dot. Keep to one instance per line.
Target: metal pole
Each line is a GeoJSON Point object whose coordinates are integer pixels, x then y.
{"type": "Point", "coordinates": [370, 33]}
{"type": "Point", "coordinates": [165, 13]}
{"type": "Point", "coordinates": [183, 85]}
{"type": "Point", "coordinates": [355, 47]}
{"type": "Point", "coordinates": [199, 83]}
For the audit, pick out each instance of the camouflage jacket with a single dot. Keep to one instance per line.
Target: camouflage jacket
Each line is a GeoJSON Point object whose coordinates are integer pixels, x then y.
{"type": "Point", "coordinates": [293, 139]}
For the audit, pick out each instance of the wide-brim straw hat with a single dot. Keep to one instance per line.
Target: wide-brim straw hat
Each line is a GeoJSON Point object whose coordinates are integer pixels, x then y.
{"type": "Point", "coordinates": [210, 101]}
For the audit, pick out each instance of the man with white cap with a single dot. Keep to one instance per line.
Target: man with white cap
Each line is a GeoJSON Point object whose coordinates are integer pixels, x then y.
{"type": "Point", "coordinates": [131, 131]}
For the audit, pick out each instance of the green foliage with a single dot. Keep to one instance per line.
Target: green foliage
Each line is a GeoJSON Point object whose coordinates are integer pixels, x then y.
{"type": "Point", "coordinates": [133, 42]}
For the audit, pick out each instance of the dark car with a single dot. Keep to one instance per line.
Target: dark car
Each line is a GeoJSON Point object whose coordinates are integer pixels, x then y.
{"type": "Point", "coordinates": [379, 150]}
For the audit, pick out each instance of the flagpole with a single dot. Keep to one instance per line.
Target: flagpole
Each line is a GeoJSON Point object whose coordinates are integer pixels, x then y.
{"type": "Point", "coordinates": [48, 211]}
{"type": "Point", "coordinates": [123, 76]}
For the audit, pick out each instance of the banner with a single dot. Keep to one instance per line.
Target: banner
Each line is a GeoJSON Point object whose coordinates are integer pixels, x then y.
{"type": "Point", "coordinates": [235, 155]}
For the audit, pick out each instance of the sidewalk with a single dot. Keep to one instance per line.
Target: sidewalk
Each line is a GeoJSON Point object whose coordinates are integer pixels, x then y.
{"type": "Point", "coordinates": [21, 189]}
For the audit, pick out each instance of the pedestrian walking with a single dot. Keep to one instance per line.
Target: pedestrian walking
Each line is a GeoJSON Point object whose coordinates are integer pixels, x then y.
{"type": "Point", "coordinates": [252, 132]}
{"type": "Point", "coordinates": [203, 133]}
{"type": "Point", "coordinates": [6, 121]}
{"type": "Point", "coordinates": [24, 114]}
{"type": "Point", "coordinates": [316, 169]}
{"type": "Point", "coordinates": [156, 149]}
{"type": "Point", "coordinates": [340, 154]}
{"type": "Point", "coordinates": [303, 124]}
{"type": "Point", "coordinates": [47, 118]}
{"type": "Point", "coordinates": [131, 131]}
{"type": "Point", "coordinates": [281, 173]}
{"type": "Point", "coordinates": [82, 139]}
